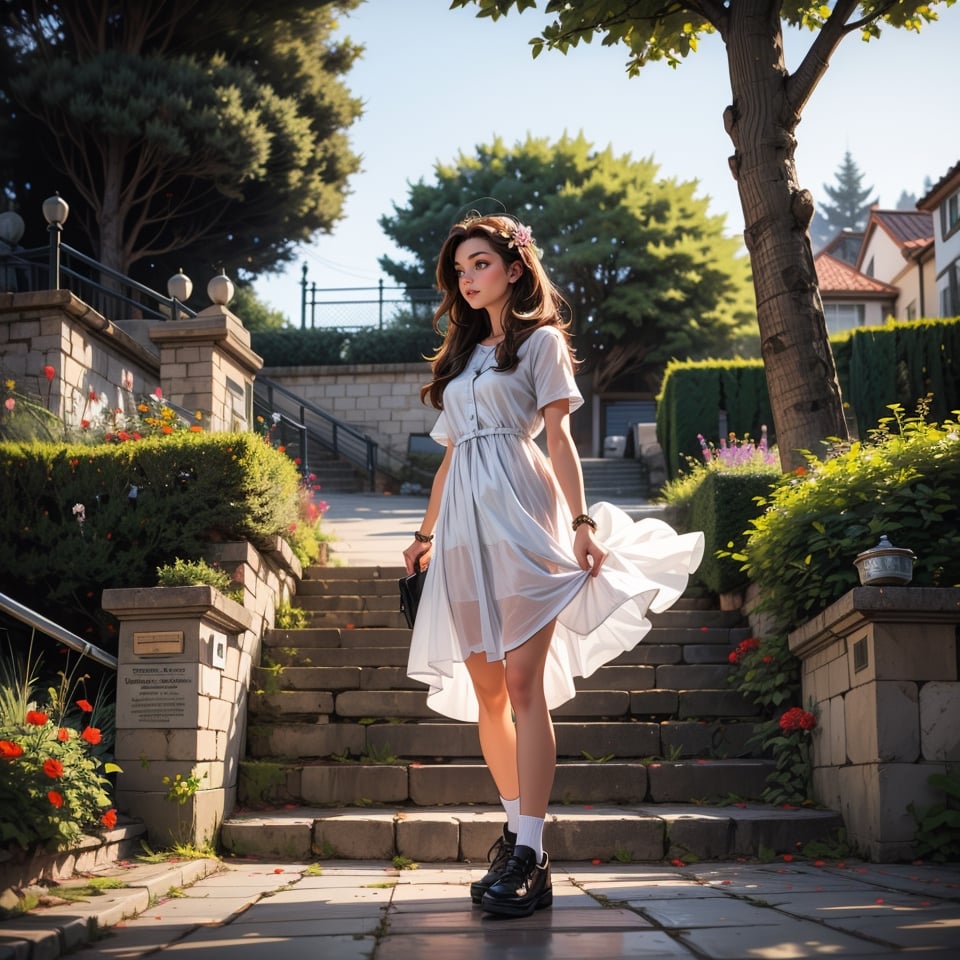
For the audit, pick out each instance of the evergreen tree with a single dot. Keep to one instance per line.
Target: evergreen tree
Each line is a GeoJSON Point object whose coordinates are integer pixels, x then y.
{"type": "Point", "coordinates": [907, 201]}
{"type": "Point", "coordinates": [848, 207]}
{"type": "Point", "coordinates": [649, 274]}
{"type": "Point", "coordinates": [194, 134]}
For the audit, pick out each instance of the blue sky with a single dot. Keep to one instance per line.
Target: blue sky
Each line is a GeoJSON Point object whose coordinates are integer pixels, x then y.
{"type": "Point", "coordinates": [435, 82]}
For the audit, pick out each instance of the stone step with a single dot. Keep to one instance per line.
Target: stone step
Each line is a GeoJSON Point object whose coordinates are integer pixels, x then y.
{"type": "Point", "coordinates": [592, 740]}
{"type": "Point", "coordinates": [348, 782]}
{"type": "Point", "coordinates": [299, 725]}
{"type": "Point", "coordinates": [629, 677]}
{"type": "Point", "coordinates": [606, 833]}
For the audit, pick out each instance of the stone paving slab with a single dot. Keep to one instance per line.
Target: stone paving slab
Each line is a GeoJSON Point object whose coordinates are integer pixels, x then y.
{"type": "Point", "coordinates": [371, 910]}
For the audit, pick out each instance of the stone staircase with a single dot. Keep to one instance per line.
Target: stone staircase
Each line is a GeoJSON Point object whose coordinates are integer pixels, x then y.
{"type": "Point", "coordinates": [345, 759]}
{"type": "Point", "coordinates": [614, 478]}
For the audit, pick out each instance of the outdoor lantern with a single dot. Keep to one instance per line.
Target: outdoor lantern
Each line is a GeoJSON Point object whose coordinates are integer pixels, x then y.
{"type": "Point", "coordinates": [11, 228]}
{"type": "Point", "coordinates": [180, 286]}
{"type": "Point", "coordinates": [220, 289]}
{"type": "Point", "coordinates": [56, 210]}
{"type": "Point", "coordinates": [885, 564]}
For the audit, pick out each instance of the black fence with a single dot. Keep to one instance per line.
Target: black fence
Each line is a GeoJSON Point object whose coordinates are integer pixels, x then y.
{"type": "Point", "coordinates": [356, 308]}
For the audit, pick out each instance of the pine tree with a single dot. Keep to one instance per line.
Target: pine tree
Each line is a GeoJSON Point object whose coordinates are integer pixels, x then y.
{"type": "Point", "coordinates": [848, 208]}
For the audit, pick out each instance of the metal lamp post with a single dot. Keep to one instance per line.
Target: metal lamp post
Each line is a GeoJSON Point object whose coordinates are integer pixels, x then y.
{"type": "Point", "coordinates": [55, 212]}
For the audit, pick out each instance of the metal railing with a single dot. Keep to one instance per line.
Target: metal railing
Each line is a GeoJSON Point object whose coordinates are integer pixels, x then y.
{"type": "Point", "coordinates": [107, 291]}
{"type": "Point", "coordinates": [357, 308]}
{"type": "Point", "coordinates": [39, 622]}
{"type": "Point", "coordinates": [302, 427]}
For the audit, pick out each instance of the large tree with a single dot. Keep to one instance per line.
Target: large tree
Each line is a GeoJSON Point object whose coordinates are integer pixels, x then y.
{"type": "Point", "coordinates": [191, 133]}
{"type": "Point", "coordinates": [767, 102]}
{"type": "Point", "coordinates": [649, 274]}
{"type": "Point", "coordinates": [848, 207]}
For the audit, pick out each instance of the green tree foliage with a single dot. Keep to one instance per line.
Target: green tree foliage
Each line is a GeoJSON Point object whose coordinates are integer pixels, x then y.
{"type": "Point", "coordinates": [848, 206]}
{"type": "Point", "coordinates": [195, 133]}
{"type": "Point", "coordinates": [255, 314]}
{"type": "Point", "coordinates": [767, 104]}
{"type": "Point", "coordinates": [649, 273]}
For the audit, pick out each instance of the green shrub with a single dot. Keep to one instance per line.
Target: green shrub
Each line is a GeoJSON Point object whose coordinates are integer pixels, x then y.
{"type": "Point", "coordinates": [722, 506]}
{"type": "Point", "coordinates": [186, 573]}
{"type": "Point", "coordinates": [718, 496]}
{"type": "Point", "coordinates": [332, 346]}
{"type": "Point", "coordinates": [81, 518]}
{"type": "Point", "coordinates": [902, 482]}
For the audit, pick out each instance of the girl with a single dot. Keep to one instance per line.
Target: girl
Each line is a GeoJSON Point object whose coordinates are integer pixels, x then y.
{"type": "Point", "coordinates": [526, 588]}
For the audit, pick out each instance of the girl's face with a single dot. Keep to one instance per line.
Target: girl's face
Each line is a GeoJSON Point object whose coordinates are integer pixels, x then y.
{"type": "Point", "coordinates": [483, 277]}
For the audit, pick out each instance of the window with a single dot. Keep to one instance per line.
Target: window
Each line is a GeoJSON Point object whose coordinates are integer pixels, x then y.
{"type": "Point", "coordinates": [951, 214]}
{"type": "Point", "coordinates": [911, 311]}
{"type": "Point", "coordinates": [868, 270]}
{"type": "Point", "coordinates": [844, 316]}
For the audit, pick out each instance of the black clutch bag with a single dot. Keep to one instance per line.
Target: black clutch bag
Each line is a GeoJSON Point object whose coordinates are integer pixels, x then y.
{"type": "Point", "coordinates": [410, 590]}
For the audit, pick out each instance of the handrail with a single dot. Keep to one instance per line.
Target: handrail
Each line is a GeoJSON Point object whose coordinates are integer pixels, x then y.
{"type": "Point", "coordinates": [33, 619]}
{"type": "Point", "coordinates": [34, 260]}
{"type": "Point", "coordinates": [342, 439]}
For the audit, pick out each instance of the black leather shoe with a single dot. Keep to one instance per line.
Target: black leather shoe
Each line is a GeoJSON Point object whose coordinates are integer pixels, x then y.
{"type": "Point", "coordinates": [523, 888]}
{"type": "Point", "coordinates": [498, 855]}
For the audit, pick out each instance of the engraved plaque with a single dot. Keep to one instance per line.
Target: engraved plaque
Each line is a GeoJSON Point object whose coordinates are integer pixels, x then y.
{"type": "Point", "coordinates": [158, 643]}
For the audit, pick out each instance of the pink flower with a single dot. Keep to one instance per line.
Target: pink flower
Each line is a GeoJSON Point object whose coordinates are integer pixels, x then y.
{"type": "Point", "coordinates": [522, 237]}
{"type": "Point", "coordinates": [9, 403]}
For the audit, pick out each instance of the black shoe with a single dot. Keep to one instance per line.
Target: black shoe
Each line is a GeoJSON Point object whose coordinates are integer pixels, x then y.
{"type": "Point", "coordinates": [524, 887]}
{"type": "Point", "coordinates": [498, 855]}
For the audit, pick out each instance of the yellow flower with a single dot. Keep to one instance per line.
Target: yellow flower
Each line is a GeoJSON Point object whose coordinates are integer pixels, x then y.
{"type": "Point", "coordinates": [199, 414]}
{"type": "Point", "coordinates": [11, 384]}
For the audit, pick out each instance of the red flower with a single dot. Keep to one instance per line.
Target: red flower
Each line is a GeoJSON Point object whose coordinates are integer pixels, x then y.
{"type": "Point", "coordinates": [85, 706]}
{"type": "Point", "coordinates": [109, 819]}
{"type": "Point", "coordinates": [49, 372]}
{"type": "Point", "coordinates": [55, 798]}
{"type": "Point", "coordinates": [37, 718]}
{"type": "Point", "coordinates": [797, 719]}
{"type": "Point", "coordinates": [10, 750]}
{"type": "Point", "coordinates": [63, 734]}
{"type": "Point", "coordinates": [733, 656]}
{"type": "Point", "coordinates": [52, 768]}
{"type": "Point", "coordinates": [91, 735]}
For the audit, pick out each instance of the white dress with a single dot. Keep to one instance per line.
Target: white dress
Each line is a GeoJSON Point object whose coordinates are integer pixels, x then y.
{"type": "Point", "coordinates": [503, 564]}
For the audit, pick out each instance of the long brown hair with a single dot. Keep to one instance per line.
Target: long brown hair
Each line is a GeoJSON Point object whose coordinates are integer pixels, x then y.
{"type": "Point", "coordinates": [534, 302]}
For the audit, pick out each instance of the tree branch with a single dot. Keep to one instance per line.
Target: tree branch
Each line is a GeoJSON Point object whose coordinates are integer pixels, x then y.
{"type": "Point", "coordinates": [803, 81]}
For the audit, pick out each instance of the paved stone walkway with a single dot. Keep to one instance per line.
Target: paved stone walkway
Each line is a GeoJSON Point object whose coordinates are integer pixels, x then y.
{"type": "Point", "coordinates": [340, 910]}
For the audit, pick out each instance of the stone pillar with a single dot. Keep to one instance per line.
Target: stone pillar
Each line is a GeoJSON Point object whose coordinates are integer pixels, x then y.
{"type": "Point", "coordinates": [206, 365]}
{"type": "Point", "coordinates": [879, 669]}
{"type": "Point", "coordinates": [181, 706]}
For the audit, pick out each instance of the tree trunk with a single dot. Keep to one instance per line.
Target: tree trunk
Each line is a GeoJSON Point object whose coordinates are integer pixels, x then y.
{"type": "Point", "coordinates": [111, 213]}
{"type": "Point", "coordinates": [798, 362]}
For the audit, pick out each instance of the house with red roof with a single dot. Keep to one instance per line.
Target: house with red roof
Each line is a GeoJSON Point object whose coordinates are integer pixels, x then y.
{"type": "Point", "coordinates": [887, 271]}
{"type": "Point", "coordinates": [942, 202]}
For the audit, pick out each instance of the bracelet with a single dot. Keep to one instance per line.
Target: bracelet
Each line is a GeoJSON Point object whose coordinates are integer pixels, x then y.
{"type": "Point", "coordinates": [422, 537]}
{"type": "Point", "coordinates": [584, 519]}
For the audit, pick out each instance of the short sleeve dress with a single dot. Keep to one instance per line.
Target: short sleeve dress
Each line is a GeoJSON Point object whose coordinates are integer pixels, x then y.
{"type": "Point", "coordinates": [503, 564]}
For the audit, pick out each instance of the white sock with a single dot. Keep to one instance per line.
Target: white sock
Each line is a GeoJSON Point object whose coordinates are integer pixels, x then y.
{"type": "Point", "coordinates": [512, 808]}
{"type": "Point", "coordinates": [530, 834]}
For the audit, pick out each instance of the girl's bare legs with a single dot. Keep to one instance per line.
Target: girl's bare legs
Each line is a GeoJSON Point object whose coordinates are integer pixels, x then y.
{"type": "Point", "coordinates": [498, 735]}
{"type": "Point", "coordinates": [536, 743]}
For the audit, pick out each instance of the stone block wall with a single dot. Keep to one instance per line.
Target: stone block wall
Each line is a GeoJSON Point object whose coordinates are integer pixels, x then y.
{"type": "Point", "coordinates": [382, 401]}
{"type": "Point", "coordinates": [880, 670]}
{"type": "Point", "coordinates": [89, 354]}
